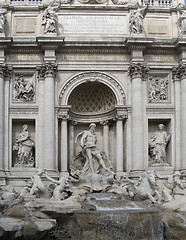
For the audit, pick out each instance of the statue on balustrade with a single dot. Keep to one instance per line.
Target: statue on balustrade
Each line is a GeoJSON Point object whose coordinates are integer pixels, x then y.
{"type": "Point", "coordinates": [136, 21]}
{"type": "Point", "coordinates": [23, 90]}
{"type": "Point", "coordinates": [91, 160]}
{"type": "Point", "coordinates": [2, 19]}
{"type": "Point", "coordinates": [24, 149]}
{"type": "Point", "coordinates": [157, 146]}
{"type": "Point", "coordinates": [50, 18]}
{"type": "Point", "coordinates": [182, 19]}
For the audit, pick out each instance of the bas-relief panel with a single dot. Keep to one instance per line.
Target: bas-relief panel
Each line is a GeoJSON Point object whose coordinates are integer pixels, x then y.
{"type": "Point", "coordinates": [94, 24]}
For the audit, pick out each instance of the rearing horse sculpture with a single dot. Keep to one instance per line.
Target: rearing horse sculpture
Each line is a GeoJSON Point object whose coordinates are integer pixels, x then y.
{"type": "Point", "coordinates": [145, 188]}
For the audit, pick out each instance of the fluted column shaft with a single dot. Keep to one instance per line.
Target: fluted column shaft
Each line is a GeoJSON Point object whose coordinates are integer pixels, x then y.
{"type": "Point", "coordinates": [137, 73]}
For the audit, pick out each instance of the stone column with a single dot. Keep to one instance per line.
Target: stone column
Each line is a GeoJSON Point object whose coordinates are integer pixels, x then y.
{"type": "Point", "coordinates": [3, 72]}
{"type": "Point", "coordinates": [71, 140]}
{"type": "Point", "coordinates": [177, 94]}
{"type": "Point", "coordinates": [49, 69]}
{"type": "Point", "coordinates": [137, 72]}
{"type": "Point", "coordinates": [64, 143]}
{"type": "Point", "coordinates": [105, 137]}
{"type": "Point", "coordinates": [119, 143]}
{"type": "Point", "coordinates": [181, 74]}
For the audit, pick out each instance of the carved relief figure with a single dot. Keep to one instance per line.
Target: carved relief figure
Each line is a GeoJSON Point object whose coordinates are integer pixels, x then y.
{"type": "Point", "coordinates": [182, 19]}
{"type": "Point", "coordinates": [157, 146]}
{"type": "Point", "coordinates": [50, 18]}
{"type": "Point", "coordinates": [2, 19]}
{"type": "Point", "coordinates": [24, 149]}
{"type": "Point", "coordinates": [136, 21]}
{"type": "Point", "coordinates": [94, 158]}
{"type": "Point", "coordinates": [158, 89]}
{"type": "Point", "coordinates": [23, 90]}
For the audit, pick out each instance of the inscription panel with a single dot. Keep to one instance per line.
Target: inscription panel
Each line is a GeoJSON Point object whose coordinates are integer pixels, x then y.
{"type": "Point", "coordinates": [94, 24]}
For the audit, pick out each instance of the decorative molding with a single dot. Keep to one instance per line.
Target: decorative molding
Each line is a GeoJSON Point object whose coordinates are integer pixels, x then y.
{"type": "Point", "coordinates": [92, 76]}
{"type": "Point", "coordinates": [138, 70]}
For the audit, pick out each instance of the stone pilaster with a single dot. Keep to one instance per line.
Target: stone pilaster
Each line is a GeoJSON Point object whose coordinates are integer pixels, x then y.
{"type": "Point", "coordinates": [47, 72]}
{"type": "Point", "coordinates": [179, 76]}
{"type": "Point", "coordinates": [138, 73]}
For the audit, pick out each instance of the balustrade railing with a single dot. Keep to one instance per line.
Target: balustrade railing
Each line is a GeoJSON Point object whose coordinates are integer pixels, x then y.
{"type": "Point", "coordinates": [160, 3]}
{"type": "Point", "coordinates": [26, 2]}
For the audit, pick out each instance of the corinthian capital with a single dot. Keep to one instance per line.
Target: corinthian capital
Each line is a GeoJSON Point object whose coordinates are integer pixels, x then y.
{"type": "Point", "coordinates": [4, 70]}
{"type": "Point", "coordinates": [179, 72]}
{"type": "Point", "coordinates": [46, 69]}
{"type": "Point", "coordinates": [138, 70]}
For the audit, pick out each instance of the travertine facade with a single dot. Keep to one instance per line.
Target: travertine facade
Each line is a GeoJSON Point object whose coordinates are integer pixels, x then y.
{"type": "Point", "coordinates": [66, 64]}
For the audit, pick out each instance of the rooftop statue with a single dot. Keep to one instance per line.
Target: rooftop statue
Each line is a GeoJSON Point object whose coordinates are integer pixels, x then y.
{"type": "Point", "coordinates": [50, 17]}
{"type": "Point", "coordinates": [182, 19]}
{"type": "Point", "coordinates": [136, 21]}
{"type": "Point", "coordinates": [2, 19]}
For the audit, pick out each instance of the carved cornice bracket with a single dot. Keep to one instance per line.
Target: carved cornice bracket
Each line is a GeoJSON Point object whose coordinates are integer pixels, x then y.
{"type": "Point", "coordinates": [138, 70]}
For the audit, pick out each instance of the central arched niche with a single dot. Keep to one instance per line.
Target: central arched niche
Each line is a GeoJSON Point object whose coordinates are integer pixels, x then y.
{"type": "Point", "coordinates": [92, 97]}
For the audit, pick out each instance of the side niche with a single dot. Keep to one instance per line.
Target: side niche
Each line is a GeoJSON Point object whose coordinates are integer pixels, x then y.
{"type": "Point", "coordinates": [159, 145]}
{"type": "Point", "coordinates": [23, 143]}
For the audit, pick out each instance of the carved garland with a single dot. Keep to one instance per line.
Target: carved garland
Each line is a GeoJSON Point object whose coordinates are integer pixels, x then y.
{"type": "Point", "coordinates": [92, 76]}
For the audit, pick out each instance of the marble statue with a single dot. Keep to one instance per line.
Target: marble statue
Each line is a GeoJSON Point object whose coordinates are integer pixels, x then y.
{"type": "Point", "coordinates": [2, 19]}
{"type": "Point", "coordinates": [8, 193]}
{"type": "Point", "coordinates": [145, 187]}
{"type": "Point", "coordinates": [24, 149]}
{"type": "Point", "coordinates": [157, 146]}
{"type": "Point", "coordinates": [95, 161]}
{"type": "Point", "coordinates": [61, 189]}
{"type": "Point", "coordinates": [23, 90]}
{"type": "Point", "coordinates": [182, 19]}
{"type": "Point", "coordinates": [136, 21]}
{"type": "Point", "coordinates": [38, 188]}
{"type": "Point", "coordinates": [50, 18]}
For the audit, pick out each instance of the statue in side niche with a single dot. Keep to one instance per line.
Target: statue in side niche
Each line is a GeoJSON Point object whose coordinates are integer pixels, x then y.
{"type": "Point", "coordinates": [157, 146]}
{"type": "Point", "coordinates": [182, 19]}
{"type": "Point", "coordinates": [94, 161]}
{"type": "Point", "coordinates": [136, 21]}
{"type": "Point", "coordinates": [2, 19]}
{"type": "Point", "coordinates": [24, 149]}
{"type": "Point", "coordinates": [50, 17]}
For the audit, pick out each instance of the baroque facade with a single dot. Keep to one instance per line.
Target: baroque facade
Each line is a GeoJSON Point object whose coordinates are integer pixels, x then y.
{"type": "Point", "coordinates": [67, 64]}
